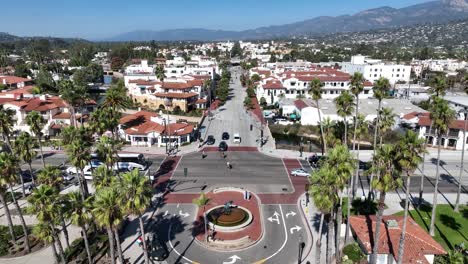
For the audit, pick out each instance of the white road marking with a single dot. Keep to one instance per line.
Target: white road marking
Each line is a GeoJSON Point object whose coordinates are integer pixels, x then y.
{"type": "Point", "coordinates": [175, 250]}
{"type": "Point", "coordinates": [274, 218]}
{"type": "Point", "coordinates": [290, 213]}
{"type": "Point", "coordinates": [233, 259]}
{"type": "Point", "coordinates": [184, 215]}
{"type": "Point", "coordinates": [166, 213]}
{"type": "Point", "coordinates": [178, 205]}
{"type": "Point", "coordinates": [285, 233]}
{"type": "Point", "coordinates": [296, 228]}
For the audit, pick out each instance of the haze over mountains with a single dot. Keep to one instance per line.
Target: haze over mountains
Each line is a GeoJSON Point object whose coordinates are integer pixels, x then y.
{"type": "Point", "coordinates": [440, 11]}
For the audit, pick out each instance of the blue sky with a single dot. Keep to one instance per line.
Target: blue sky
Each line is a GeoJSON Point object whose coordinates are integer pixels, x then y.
{"type": "Point", "coordinates": [103, 18]}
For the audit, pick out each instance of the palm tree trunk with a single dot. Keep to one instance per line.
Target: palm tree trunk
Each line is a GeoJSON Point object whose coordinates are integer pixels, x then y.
{"type": "Point", "coordinates": [54, 250]}
{"type": "Point", "coordinates": [83, 184]}
{"type": "Point", "coordinates": [421, 187]}
{"type": "Point", "coordinates": [401, 247]}
{"type": "Point", "coordinates": [339, 216]}
{"type": "Point", "coordinates": [354, 145]}
{"type": "Point", "coordinates": [23, 223]}
{"type": "Point", "coordinates": [86, 242]}
{"type": "Point", "coordinates": [31, 172]}
{"type": "Point", "coordinates": [457, 201]}
{"type": "Point", "coordinates": [345, 132]}
{"type": "Point", "coordinates": [376, 128]}
{"type": "Point", "coordinates": [356, 177]}
{"type": "Point", "coordinates": [145, 247]}
{"type": "Point", "coordinates": [324, 142]}
{"type": "Point", "coordinates": [348, 210]}
{"type": "Point", "coordinates": [42, 153]}
{"type": "Point", "coordinates": [59, 244]}
{"type": "Point", "coordinates": [65, 230]}
{"type": "Point", "coordinates": [436, 187]}
{"type": "Point", "coordinates": [119, 246]}
{"type": "Point", "coordinates": [330, 238]}
{"type": "Point", "coordinates": [318, 245]}
{"type": "Point", "coordinates": [8, 216]}
{"type": "Point", "coordinates": [375, 247]}
{"type": "Point", "coordinates": [111, 244]}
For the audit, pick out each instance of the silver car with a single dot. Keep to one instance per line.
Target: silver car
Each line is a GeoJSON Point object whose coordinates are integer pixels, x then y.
{"type": "Point", "coordinates": [300, 172]}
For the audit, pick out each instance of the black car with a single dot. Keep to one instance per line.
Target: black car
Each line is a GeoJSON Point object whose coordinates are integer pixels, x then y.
{"type": "Point", "coordinates": [27, 177]}
{"type": "Point", "coordinates": [225, 136]}
{"type": "Point", "coordinates": [315, 161]}
{"type": "Point", "coordinates": [223, 146]}
{"type": "Point", "coordinates": [158, 250]}
{"type": "Point", "coordinates": [210, 140]}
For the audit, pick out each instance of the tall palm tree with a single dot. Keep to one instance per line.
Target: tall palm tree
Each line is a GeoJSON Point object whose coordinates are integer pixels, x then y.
{"type": "Point", "coordinates": [80, 156]}
{"type": "Point", "coordinates": [328, 129]}
{"type": "Point", "coordinates": [160, 75]}
{"type": "Point", "coordinates": [345, 107]}
{"type": "Point", "coordinates": [315, 90]}
{"type": "Point", "coordinates": [7, 121]}
{"type": "Point", "coordinates": [43, 203]}
{"type": "Point", "coordinates": [3, 192]}
{"type": "Point", "coordinates": [441, 115]}
{"type": "Point", "coordinates": [50, 175]}
{"type": "Point", "coordinates": [8, 171]}
{"type": "Point", "coordinates": [438, 85]}
{"type": "Point", "coordinates": [103, 177]}
{"type": "Point", "coordinates": [136, 197]}
{"type": "Point", "coordinates": [43, 232]}
{"type": "Point", "coordinates": [362, 129]}
{"type": "Point", "coordinates": [356, 88]}
{"type": "Point", "coordinates": [343, 164]}
{"type": "Point", "coordinates": [108, 213]}
{"type": "Point", "coordinates": [381, 88]}
{"type": "Point", "coordinates": [457, 200]}
{"type": "Point", "coordinates": [387, 180]}
{"type": "Point", "coordinates": [409, 155]}
{"type": "Point", "coordinates": [323, 195]}
{"type": "Point", "coordinates": [36, 122]}
{"type": "Point", "coordinates": [24, 149]}
{"type": "Point", "coordinates": [74, 95]}
{"type": "Point", "coordinates": [387, 121]}
{"type": "Point", "coordinates": [107, 149]}
{"type": "Point", "coordinates": [80, 215]}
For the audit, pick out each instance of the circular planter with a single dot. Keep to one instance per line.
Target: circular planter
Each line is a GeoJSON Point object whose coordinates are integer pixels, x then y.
{"type": "Point", "coordinates": [238, 219]}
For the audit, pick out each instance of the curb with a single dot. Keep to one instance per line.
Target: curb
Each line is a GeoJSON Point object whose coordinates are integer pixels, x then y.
{"type": "Point", "coordinates": [309, 234]}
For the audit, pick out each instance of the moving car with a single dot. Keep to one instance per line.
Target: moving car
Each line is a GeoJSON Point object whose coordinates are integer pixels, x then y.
{"type": "Point", "coordinates": [158, 250]}
{"type": "Point", "coordinates": [237, 138]}
{"type": "Point", "coordinates": [223, 146]}
{"type": "Point", "coordinates": [300, 172]}
{"type": "Point", "coordinates": [225, 136]}
{"type": "Point", "coordinates": [210, 140]}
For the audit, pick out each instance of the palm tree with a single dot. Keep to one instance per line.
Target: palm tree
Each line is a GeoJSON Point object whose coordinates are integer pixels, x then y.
{"type": "Point", "coordinates": [103, 119]}
{"type": "Point", "coordinates": [381, 88]}
{"type": "Point", "coordinates": [328, 128]}
{"type": "Point", "coordinates": [387, 180]}
{"type": "Point", "coordinates": [409, 155]}
{"type": "Point", "coordinates": [3, 192]}
{"type": "Point", "coordinates": [108, 214]}
{"type": "Point", "coordinates": [315, 90]}
{"type": "Point", "coordinates": [74, 95]}
{"type": "Point", "coordinates": [24, 149]}
{"type": "Point", "coordinates": [323, 196]}
{"type": "Point", "coordinates": [345, 107]}
{"type": "Point", "coordinates": [362, 129]}
{"type": "Point", "coordinates": [7, 121]}
{"type": "Point", "coordinates": [103, 177]}
{"type": "Point", "coordinates": [136, 197]}
{"type": "Point", "coordinates": [43, 203]}
{"type": "Point", "coordinates": [160, 73]}
{"type": "Point", "coordinates": [387, 121]}
{"type": "Point", "coordinates": [80, 215]}
{"type": "Point", "coordinates": [441, 115]}
{"type": "Point", "coordinates": [43, 232]}
{"type": "Point", "coordinates": [36, 122]}
{"type": "Point", "coordinates": [457, 201]}
{"type": "Point", "coordinates": [50, 175]}
{"type": "Point", "coordinates": [8, 170]}
{"type": "Point", "coordinates": [356, 87]}
{"type": "Point", "coordinates": [107, 149]}
{"type": "Point", "coordinates": [80, 156]}
{"type": "Point", "coordinates": [438, 85]}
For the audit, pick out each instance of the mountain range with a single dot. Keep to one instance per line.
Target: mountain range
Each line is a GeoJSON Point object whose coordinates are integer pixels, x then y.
{"type": "Point", "coordinates": [440, 11]}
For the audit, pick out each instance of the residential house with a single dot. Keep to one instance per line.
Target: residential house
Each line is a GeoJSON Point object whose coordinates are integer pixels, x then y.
{"type": "Point", "coordinates": [13, 82]}
{"type": "Point", "coordinates": [453, 139]}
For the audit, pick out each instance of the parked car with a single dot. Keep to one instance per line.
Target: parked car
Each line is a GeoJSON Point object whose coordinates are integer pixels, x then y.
{"type": "Point", "coordinates": [237, 138]}
{"type": "Point", "coordinates": [225, 136]}
{"type": "Point", "coordinates": [158, 250]}
{"type": "Point", "coordinates": [315, 160]}
{"type": "Point", "coordinates": [68, 177]}
{"type": "Point", "coordinates": [300, 172]}
{"type": "Point", "coordinates": [223, 146]}
{"type": "Point", "coordinates": [210, 140]}
{"type": "Point", "coordinates": [27, 177]}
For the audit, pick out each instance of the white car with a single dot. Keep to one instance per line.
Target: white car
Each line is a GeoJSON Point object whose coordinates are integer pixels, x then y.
{"type": "Point", "coordinates": [236, 138]}
{"type": "Point", "coordinates": [74, 170]}
{"type": "Point", "coordinates": [300, 172]}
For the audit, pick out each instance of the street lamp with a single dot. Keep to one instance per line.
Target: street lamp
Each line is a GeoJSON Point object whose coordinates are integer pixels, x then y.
{"type": "Point", "coordinates": [457, 202]}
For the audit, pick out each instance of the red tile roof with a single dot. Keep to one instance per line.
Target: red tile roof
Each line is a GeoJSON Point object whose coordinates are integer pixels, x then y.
{"type": "Point", "coordinates": [138, 117]}
{"type": "Point", "coordinates": [13, 79]}
{"type": "Point", "coordinates": [415, 114]}
{"type": "Point", "coordinates": [63, 115]}
{"type": "Point", "coordinates": [418, 242]}
{"type": "Point", "coordinates": [179, 129]}
{"type": "Point", "coordinates": [145, 82]}
{"type": "Point", "coordinates": [300, 104]}
{"type": "Point", "coordinates": [275, 84]}
{"type": "Point", "coordinates": [426, 121]}
{"type": "Point", "coordinates": [201, 101]}
{"type": "Point", "coordinates": [140, 124]}
{"type": "Point", "coordinates": [176, 95]}
{"type": "Point", "coordinates": [36, 104]}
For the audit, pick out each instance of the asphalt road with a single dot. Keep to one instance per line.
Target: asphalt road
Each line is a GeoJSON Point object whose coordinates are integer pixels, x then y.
{"type": "Point", "coordinates": [252, 170]}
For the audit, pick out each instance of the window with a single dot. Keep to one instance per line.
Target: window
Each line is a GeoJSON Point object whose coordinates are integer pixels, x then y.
{"type": "Point", "coordinates": [293, 83]}
{"type": "Point", "coordinates": [375, 75]}
{"type": "Point", "coordinates": [342, 84]}
{"type": "Point", "coordinates": [398, 70]}
{"type": "Point", "coordinates": [398, 75]}
{"type": "Point", "coordinates": [366, 91]}
{"type": "Point", "coordinates": [376, 69]}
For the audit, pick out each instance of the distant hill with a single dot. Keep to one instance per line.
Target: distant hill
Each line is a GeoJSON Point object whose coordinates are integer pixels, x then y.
{"type": "Point", "coordinates": [8, 37]}
{"type": "Point", "coordinates": [383, 17]}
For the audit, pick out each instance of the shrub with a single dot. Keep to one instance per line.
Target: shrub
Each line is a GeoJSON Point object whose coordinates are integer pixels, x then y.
{"type": "Point", "coordinates": [353, 251]}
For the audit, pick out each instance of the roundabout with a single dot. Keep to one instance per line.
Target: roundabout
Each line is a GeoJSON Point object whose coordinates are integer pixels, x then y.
{"type": "Point", "coordinates": [235, 219]}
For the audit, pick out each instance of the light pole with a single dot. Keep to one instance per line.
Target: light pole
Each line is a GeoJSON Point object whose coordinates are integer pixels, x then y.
{"type": "Point", "coordinates": [457, 202]}
{"type": "Point", "coordinates": [205, 224]}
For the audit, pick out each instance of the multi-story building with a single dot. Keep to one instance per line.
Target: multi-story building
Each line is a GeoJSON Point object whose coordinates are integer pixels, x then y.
{"type": "Point", "coordinates": [373, 69]}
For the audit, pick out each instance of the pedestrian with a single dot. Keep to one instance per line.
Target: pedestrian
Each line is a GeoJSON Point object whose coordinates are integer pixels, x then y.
{"type": "Point", "coordinates": [203, 155]}
{"type": "Point", "coordinates": [140, 241]}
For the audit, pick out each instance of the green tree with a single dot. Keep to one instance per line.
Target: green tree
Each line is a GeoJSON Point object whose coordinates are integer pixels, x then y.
{"type": "Point", "coordinates": [362, 129]}
{"type": "Point", "coordinates": [74, 95]}
{"type": "Point", "coordinates": [44, 233]}
{"type": "Point", "coordinates": [117, 63]}
{"type": "Point", "coordinates": [103, 119]}
{"type": "Point", "coordinates": [315, 90]}
{"type": "Point", "coordinates": [409, 155]}
{"type": "Point", "coordinates": [45, 81]}
{"type": "Point", "coordinates": [108, 214]}
{"type": "Point", "coordinates": [36, 123]}
{"type": "Point", "coordinates": [107, 149]}
{"type": "Point", "coordinates": [79, 153]}
{"type": "Point", "coordinates": [80, 215]}
{"type": "Point", "coordinates": [384, 166]}
{"type": "Point", "coordinates": [345, 107]}
{"type": "Point", "coordinates": [441, 115]}
{"type": "Point", "coordinates": [4, 182]}
{"type": "Point", "coordinates": [50, 175]}
{"type": "Point", "coordinates": [160, 74]}
{"type": "Point", "coordinates": [7, 122]}
{"type": "Point", "coordinates": [387, 121]}
{"type": "Point", "coordinates": [103, 177]}
{"type": "Point", "coordinates": [22, 70]}
{"type": "Point", "coordinates": [136, 197]}
{"type": "Point", "coordinates": [24, 150]}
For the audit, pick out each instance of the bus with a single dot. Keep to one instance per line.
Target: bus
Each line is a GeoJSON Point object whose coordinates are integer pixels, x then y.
{"type": "Point", "coordinates": [126, 160]}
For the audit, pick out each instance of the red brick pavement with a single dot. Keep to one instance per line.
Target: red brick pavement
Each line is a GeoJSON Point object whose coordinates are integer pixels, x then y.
{"type": "Point", "coordinates": [233, 148]}
{"type": "Point", "coordinates": [254, 230]}
{"type": "Point", "coordinates": [164, 174]}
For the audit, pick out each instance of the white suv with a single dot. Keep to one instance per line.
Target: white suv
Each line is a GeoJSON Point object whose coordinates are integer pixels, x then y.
{"type": "Point", "coordinates": [236, 138]}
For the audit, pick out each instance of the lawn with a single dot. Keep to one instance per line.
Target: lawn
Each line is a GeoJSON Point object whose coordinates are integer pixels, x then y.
{"type": "Point", "coordinates": [451, 227]}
